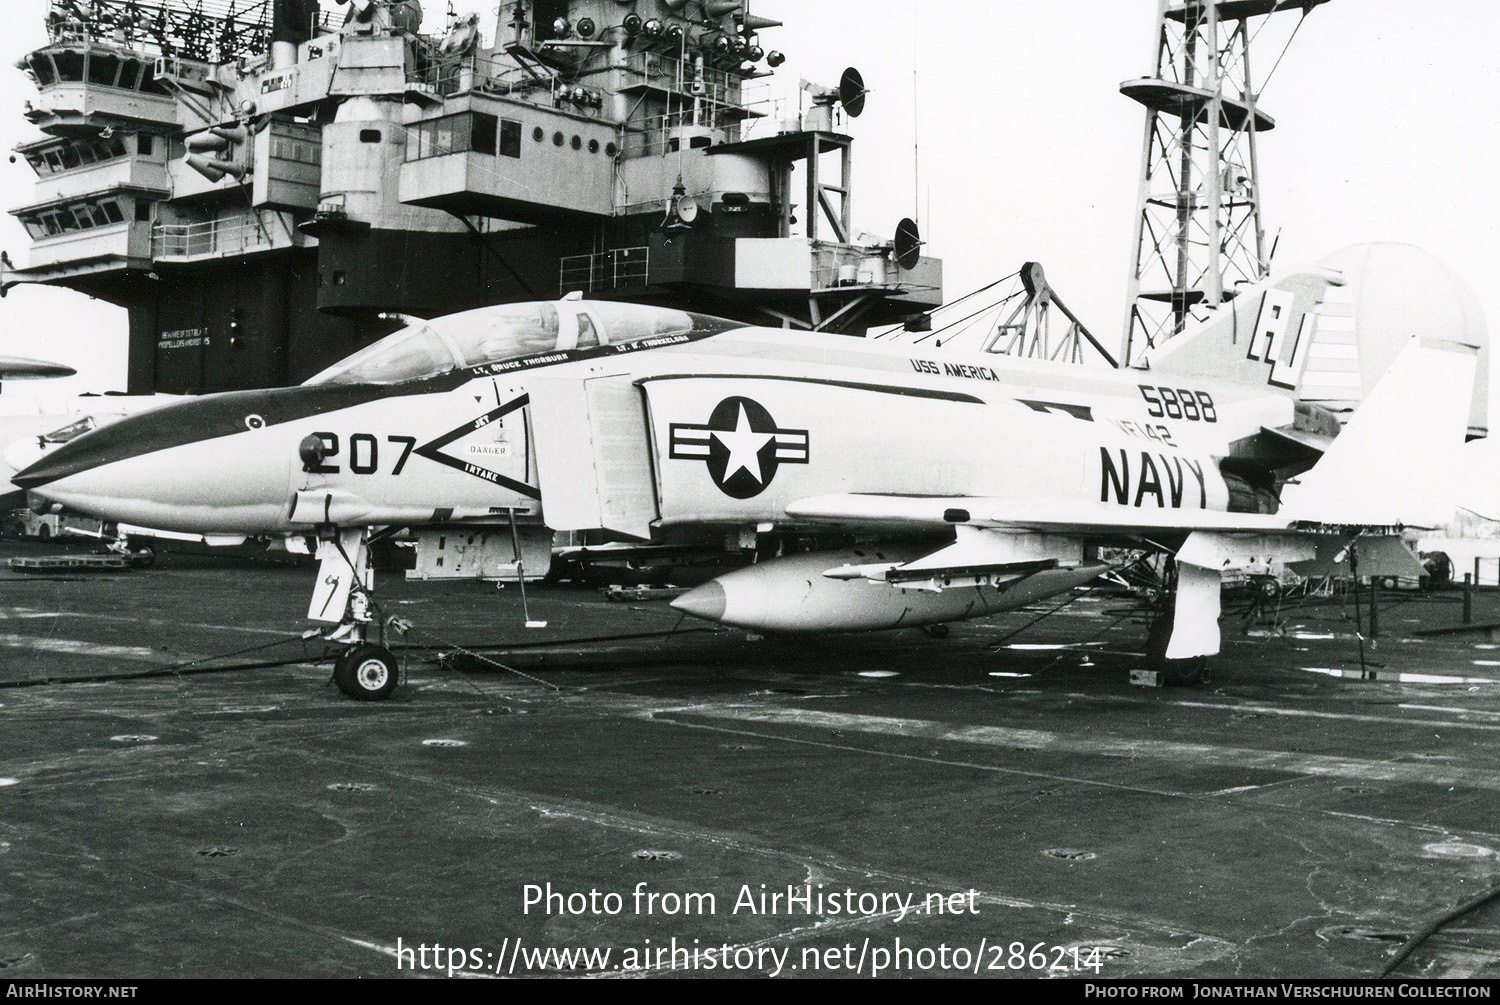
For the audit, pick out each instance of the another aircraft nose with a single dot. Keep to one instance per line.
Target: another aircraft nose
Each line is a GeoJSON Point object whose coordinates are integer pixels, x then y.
{"type": "Point", "coordinates": [132, 436]}
{"type": "Point", "coordinates": [21, 454]}
{"type": "Point", "coordinates": [216, 464]}
{"type": "Point", "coordinates": [200, 465]}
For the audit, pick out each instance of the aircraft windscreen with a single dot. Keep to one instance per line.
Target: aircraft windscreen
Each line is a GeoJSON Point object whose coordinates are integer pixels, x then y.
{"type": "Point", "coordinates": [72, 430]}
{"type": "Point", "coordinates": [509, 331]}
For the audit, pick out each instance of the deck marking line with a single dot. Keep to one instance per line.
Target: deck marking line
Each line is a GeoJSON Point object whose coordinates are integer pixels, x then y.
{"type": "Point", "coordinates": [78, 647]}
{"type": "Point", "coordinates": [1308, 713]}
{"type": "Point", "coordinates": [1191, 753]}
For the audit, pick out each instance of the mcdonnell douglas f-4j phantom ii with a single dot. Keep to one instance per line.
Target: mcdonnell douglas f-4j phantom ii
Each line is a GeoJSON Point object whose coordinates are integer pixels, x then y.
{"type": "Point", "coordinates": [968, 483]}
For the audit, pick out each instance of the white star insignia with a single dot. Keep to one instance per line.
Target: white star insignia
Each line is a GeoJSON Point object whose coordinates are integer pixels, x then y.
{"type": "Point", "coordinates": [744, 445]}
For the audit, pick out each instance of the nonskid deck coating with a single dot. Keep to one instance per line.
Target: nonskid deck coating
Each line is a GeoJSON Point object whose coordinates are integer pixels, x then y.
{"type": "Point", "coordinates": [1278, 822]}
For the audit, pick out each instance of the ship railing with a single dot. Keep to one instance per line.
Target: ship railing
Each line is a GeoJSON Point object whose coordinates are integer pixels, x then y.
{"type": "Point", "coordinates": [685, 77]}
{"type": "Point", "coordinates": [657, 134]}
{"type": "Point", "coordinates": [326, 23]}
{"type": "Point", "coordinates": [210, 30]}
{"type": "Point", "coordinates": [217, 238]}
{"type": "Point", "coordinates": [835, 265]}
{"type": "Point", "coordinates": [74, 32]}
{"type": "Point", "coordinates": [616, 269]}
{"type": "Point", "coordinates": [447, 75]}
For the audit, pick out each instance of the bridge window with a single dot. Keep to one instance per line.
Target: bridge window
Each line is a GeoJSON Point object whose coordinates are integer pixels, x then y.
{"type": "Point", "coordinates": [149, 83]}
{"type": "Point", "coordinates": [467, 132]}
{"type": "Point", "coordinates": [86, 215]}
{"type": "Point", "coordinates": [484, 133]}
{"type": "Point", "coordinates": [70, 154]}
{"type": "Point", "coordinates": [42, 69]}
{"type": "Point", "coordinates": [510, 138]}
{"type": "Point", "coordinates": [69, 65]}
{"type": "Point", "coordinates": [103, 69]}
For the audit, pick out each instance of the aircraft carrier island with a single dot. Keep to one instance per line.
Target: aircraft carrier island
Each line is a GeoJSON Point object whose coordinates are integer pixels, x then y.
{"type": "Point", "coordinates": [265, 184]}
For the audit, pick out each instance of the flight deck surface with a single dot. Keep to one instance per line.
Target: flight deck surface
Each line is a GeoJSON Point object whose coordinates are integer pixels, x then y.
{"type": "Point", "coordinates": [1279, 821]}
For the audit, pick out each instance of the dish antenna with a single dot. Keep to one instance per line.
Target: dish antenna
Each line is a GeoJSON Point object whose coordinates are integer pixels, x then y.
{"type": "Point", "coordinates": [908, 244]}
{"type": "Point", "coordinates": [850, 94]}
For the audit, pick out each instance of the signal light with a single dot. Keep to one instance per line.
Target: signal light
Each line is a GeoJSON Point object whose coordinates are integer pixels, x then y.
{"type": "Point", "coordinates": [632, 23]}
{"type": "Point", "coordinates": [560, 28]}
{"type": "Point", "coordinates": [774, 58]}
{"type": "Point", "coordinates": [675, 33]}
{"type": "Point", "coordinates": [755, 54]}
{"type": "Point", "coordinates": [586, 27]}
{"type": "Point", "coordinates": [722, 44]}
{"type": "Point", "coordinates": [653, 27]}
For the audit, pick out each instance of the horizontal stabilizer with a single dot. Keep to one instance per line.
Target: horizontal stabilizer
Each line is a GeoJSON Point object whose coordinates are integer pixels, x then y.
{"type": "Point", "coordinates": [1378, 556]}
{"type": "Point", "coordinates": [1395, 463]}
{"type": "Point", "coordinates": [1298, 442]}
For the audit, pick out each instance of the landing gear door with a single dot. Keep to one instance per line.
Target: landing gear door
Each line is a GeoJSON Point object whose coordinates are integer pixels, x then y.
{"type": "Point", "coordinates": [593, 454]}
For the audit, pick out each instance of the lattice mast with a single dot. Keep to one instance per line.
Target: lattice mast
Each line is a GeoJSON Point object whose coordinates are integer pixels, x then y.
{"type": "Point", "coordinates": [1198, 228]}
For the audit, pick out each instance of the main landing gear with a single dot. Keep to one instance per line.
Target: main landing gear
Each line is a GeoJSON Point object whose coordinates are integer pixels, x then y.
{"type": "Point", "coordinates": [1202, 598]}
{"type": "Point", "coordinates": [1173, 673]}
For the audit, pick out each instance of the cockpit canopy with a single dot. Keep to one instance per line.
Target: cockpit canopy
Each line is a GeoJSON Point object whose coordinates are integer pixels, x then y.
{"type": "Point", "coordinates": [511, 331]}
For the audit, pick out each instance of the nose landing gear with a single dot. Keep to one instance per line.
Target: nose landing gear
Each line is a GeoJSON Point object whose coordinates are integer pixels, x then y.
{"type": "Point", "coordinates": [367, 672]}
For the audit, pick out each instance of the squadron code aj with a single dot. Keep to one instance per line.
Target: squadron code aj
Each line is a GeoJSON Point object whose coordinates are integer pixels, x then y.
{"type": "Point", "coordinates": [808, 899]}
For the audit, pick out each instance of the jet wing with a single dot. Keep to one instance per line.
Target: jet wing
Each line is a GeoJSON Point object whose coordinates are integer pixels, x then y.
{"type": "Point", "coordinates": [1059, 516]}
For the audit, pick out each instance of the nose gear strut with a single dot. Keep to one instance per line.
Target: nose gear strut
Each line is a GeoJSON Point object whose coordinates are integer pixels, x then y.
{"type": "Point", "coordinates": [367, 670]}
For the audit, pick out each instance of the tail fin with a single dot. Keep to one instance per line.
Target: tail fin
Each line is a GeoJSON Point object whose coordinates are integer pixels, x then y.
{"type": "Point", "coordinates": [1262, 337]}
{"type": "Point", "coordinates": [1329, 333]}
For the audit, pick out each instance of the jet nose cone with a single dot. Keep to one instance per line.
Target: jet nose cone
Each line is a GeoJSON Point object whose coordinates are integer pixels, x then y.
{"type": "Point", "coordinates": [707, 601]}
{"type": "Point", "coordinates": [38, 468]}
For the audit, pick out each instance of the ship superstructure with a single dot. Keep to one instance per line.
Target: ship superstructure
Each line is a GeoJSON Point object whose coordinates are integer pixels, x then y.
{"type": "Point", "coordinates": [265, 184]}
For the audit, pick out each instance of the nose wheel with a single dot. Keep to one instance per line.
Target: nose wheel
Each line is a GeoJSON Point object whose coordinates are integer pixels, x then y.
{"type": "Point", "coordinates": [367, 672]}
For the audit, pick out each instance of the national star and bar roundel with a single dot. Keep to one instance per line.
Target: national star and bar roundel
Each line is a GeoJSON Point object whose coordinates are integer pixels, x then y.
{"type": "Point", "coordinates": [741, 444]}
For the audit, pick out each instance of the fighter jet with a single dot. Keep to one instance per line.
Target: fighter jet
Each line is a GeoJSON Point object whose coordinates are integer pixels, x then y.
{"type": "Point", "coordinates": [884, 485]}
{"type": "Point", "coordinates": [26, 436]}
